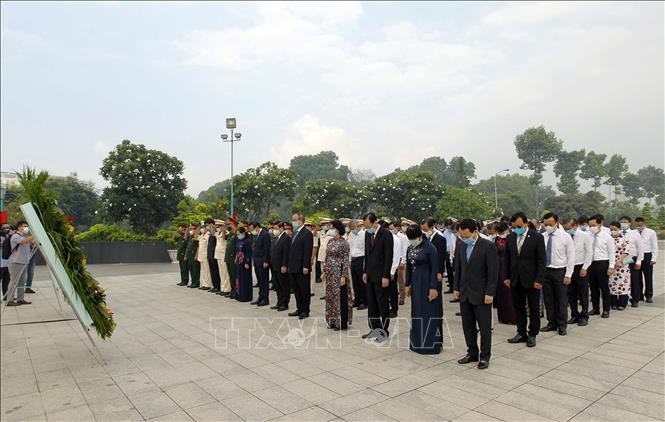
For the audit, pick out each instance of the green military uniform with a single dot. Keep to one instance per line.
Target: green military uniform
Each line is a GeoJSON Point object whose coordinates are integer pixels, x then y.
{"type": "Point", "coordinates": [194, 266]}
{"type": "Point", "coordinates": [184, 266]}
{"type": "Point", "coordinates": [230, 260]}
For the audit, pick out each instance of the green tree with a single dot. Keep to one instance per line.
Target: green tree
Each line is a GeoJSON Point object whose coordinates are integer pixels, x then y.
{"type": "Point", "coordinates": [661, 218]}
{"type": "Point", "coordinates": [646, 213]}
{"type": "Point", "coordinates": [616, 169]}
{"type": "Point", "coordinates": [594, 169]}
{"type": "Point", "coordinates": [536, 147]}
{"type": "Point", "coordinates": [632, 186]}
{"type": "Point", "coordinates": [576, 204]}
{"type": "Point", "coordinates": [336, 198]}
{"type": "Point", "coordinates": [515, 193]}
{"type": "Point", "coordinates": [653, 183]}
{"type": "Point", "coordinates": [435, 165]}
{"type": "Point", "coordinates": [216, 191]}
{"type": "Point", "coordinates": [566, 168]}
{"type": "Point", "coordinates": [459, 172]}
{"type": "Point", "coordinates": [259, 189]}
{"type": "Point", "coordinates": [464, 203]}
{"type": "Point", "coordinates": [361, 176]}
{"type": "Point", "coordinates": [411, 194]}
{"type": "Point", "coordinates": [77, 198]}
{"type": "Point", "coordinates": [321, 166]}
{"type": "Point", "coordinates": [145, 186]}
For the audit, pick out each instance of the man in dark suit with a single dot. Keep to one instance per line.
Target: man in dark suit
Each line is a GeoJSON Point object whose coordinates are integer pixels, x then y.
{"type": "Point", "coordinates": [300, 265]}
{"type": "Point", "coordinates": [526, 271]}
{"type": "Point", "coordinates": [261, 258]}
{"type": "Point", "coordinates": [212, 262]}
{"type": "Point", "coordinates": [376, 276]}
{"type": "Point", "coordinates": [428, 226]}
{"type": "Point", "coordinates": [476, 271]}
{"type": "Point", "coordinates": [280, 262]}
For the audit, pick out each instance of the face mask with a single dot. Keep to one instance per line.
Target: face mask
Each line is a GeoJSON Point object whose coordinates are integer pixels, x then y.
{"type": "Point", "coordinates": [191, 232]}
{"type": "Point", "coordinates": [616, 233]}
{"type": "Point", "coordinates": [255, 232]}
{"type": "Point", "coordinates": [354, 231]}
{"type": "Point", "coordinates": [584, 227]}
{"type": "Point", "coordinates": [276, 232]}
{"type": "Point", "coordinates": [550, 229]}
{"type": "Point", "coordinates": [570, 231]}
{"type": "Point", "coordinates": [241, 236]}
{"type": "Point", "coordinates": [625, 226]}
{"type": "Point", "coordinates": [519, 230]}
{"type": "Point", "coordinates": [26, 230]}
{"type": "Point", "coordinates": [371, 230]}
{"type": "Point", "coordinates": [594, 230]}
{"type": "Point", "coordinates": [295, 224]}
{"type": "Point", "coordinates": [455, 234]}
{"type": "Point", "coordinates": [393, 231]}
{"type": "Point", "coordinates": [332, 232]}
{"type": "Point", "coordinates": [470, 241]}
{"type": "Point", "coordinates": [404, 229]}
{"type": "Point", "coordinates": [415, 242]}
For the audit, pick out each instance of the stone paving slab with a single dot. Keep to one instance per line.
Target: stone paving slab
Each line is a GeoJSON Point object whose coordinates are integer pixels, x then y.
{"type": "Point", "coordinates": [169, 361]}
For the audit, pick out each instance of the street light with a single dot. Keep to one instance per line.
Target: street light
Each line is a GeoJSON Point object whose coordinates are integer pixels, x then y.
{"type": "Point", "coordinates": [496, 197]}
{"type": "Point", "coordinates": [231, 124]}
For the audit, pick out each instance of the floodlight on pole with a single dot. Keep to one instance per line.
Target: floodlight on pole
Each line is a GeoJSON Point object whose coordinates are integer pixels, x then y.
{"type": "Point", "coordinates": [231, 124]}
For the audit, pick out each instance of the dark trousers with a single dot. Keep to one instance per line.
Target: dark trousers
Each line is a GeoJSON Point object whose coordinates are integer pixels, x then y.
{"type": "Point", "coordinates": [214, 273]}
{"type": "Point", "coordinates": [195, 271]}
{"type": "Point", "coordinates": [378, 314]}
{"type": "Point", "coordinates": [33, 261]}
{"type": "Point", "coordinates": [359, 289]}
{"type": "Point", "coordinates": [647, 271]}
{"type": "Point", "coordinates": [184, 271]}
{"type": "Point", "coordinates": [556, 297]}
{"type": "Point", "coordinates": [578, 292]}
{"type": "Point", "coordinates": [282, 284]}
{"type": "Point", "coordinates": [263, 280]}
{"type": "Point", "coordinates": [344, 306]}
{"type": "Point", "coordinates": [231, 269]}
{"type": "Point", "coordinates": [302, 290]}
{"type": "Point", "coordinates": [4, 275]}
{"type": "Point", "coordinates": [449, 273]}
{"type": "Point", "coordinates": [477, 318]}
{"type": "Point", "coordinates": [635, 283]}
{"type": "Point", "coordinates": [599, 285]}
{"type": "Point", "coordinates": [393, 294]}
{"type": "Point", "coordinates": [318, 271]}
{"type": "Point", "coordinates": [619, 300]}
{"type": "Point", "coordinates": [521, 297]}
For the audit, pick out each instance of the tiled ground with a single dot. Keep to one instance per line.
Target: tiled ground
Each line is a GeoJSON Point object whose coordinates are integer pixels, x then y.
{"type": "Point", "coordinates": [163, 364]}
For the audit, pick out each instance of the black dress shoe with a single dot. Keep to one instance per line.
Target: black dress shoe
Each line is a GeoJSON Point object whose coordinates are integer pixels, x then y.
{"type": "Point", "coordinates": [393, 315]}
{"type": "Point", "coordinates": [594, 312]}
{"type": "Point", "coordinates": [213, 290]}
{"type": "Point", "coordinates": [519, 338]}
{"type": "Point", "coordinates": [635, 305]}
{"type": "Point", "coordinates": [282, 308]}
{"type": "Point", "coordinates": [256, 302]}
{"type": "Point", "coordinates": [224, 293]}
{"type": "Point", "coordinates": [562, 331]}
{"type": "Point", "coordinates": [182, 284]}
{"type": "Point", "coordinates": [606, 314]}
{"type": "Point", "coordinates": [274, 307]}
{"type": "Point", "coordinates": [255, 286]}
{"type": "Point", "coordinates": [29, 290]}
{"type": "Point", "coordinates": [583, 322]}
{"type": "Point", "coordinates": [369, 335]}
{"type": "Point", "coordinates": [547, 328]}
{"type": "Point", "coordinates": [531, 341]}
{"type": "Point", "coordinates": [294, 313]}
{"type": "Point", "coordinates": [620, 308]}
{"type": "Point", "coordinates": [362, 307]}
{"type": "Point", "coordinates": [311, 294]}
{"type": "Point", "coordinates": [204, 288]}
{"type": "Point", "coordinates": [447, 292]}
{"type": "Point", "coordinates": [483, 364]}
{"type": "Point", "coordinates": [458, 314]}
{"type": "Point", "coordinates": [262, 304]}
{"type": "Point", "coordinates": [454, 301]}
{"type": "Point", "coordinates": [649, 300]}
{"type": "Point", "coordinates": [573, 320]}
{"type": "Point", "coordinates": [303, 315]}
{"type": "Point", "coordinates": [322, 298]}
{"type": "Point", "coordinates": [193, 286]}
{"type": "Point", "coordinates": [467, 359]}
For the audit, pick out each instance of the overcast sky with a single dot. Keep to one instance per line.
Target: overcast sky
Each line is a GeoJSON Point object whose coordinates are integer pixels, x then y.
{"type": "Point", "coordinates": [382, 84]}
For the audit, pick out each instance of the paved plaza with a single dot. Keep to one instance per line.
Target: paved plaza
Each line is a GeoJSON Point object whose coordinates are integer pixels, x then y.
{"type": "Point", "coordinates": [177, 355]}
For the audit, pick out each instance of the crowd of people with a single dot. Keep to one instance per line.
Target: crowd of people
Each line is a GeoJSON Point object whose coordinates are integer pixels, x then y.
{"type": "Point", "coordinates": [514, 265]}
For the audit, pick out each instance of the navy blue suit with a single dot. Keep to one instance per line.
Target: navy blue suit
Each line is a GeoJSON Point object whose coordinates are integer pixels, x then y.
{"type": "Point", "coordinates": [261, 255]}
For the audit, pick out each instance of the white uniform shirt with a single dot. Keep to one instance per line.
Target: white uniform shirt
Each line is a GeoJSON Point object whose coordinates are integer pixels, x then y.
{"type": "Point", "coordinates": [563, 251]}
{"type": "Point", "coordinates": [635, 245]}
{"type": "Point", "coordinates": [323, 246]}
{"type": "Point", "coordinates": [583, 242]}
{"type": "Point", "coordinates": [220, 247]}
{"type": "Point", "coordinates": [404, 243]}
{"type": "Point", "coordinates": [202, 254]}
{"type": "Point", "coordinates": [650, 243]}
{"type": "Point", "coordinates": [397, 254]}
{"type": "Point", "coordinates": [603, 248]}
{"type": "Point", "coordinates": [357, 244]}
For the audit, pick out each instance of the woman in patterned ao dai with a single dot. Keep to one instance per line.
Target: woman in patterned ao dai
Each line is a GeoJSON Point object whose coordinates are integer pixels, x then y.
{"type": "Point", "coordinates": [339, 300]}
{"type": "Point", "coordinates": [620, 280]}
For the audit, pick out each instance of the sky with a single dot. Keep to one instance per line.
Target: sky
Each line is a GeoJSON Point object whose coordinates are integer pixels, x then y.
{"type": "Point", "coordinates": [383, 84]}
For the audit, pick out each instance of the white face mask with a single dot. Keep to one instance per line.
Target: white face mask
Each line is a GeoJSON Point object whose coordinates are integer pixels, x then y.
{"type": "Point", "coordinates": [191, 232]}
{"type": "Point", "coordinates": [550, 229]}
{"type": "Point", "coordinates": [26, 230]}
{"type": "Point", "coordinates": [594, 230]}
{"type": "Point", "coordinates": [276, 232]}
{"type": "Point", "coordinates": [332, 232]}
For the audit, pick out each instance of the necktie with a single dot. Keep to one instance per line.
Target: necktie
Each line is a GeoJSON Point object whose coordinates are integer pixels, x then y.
{"type": "Point", "coordinates": [572, 236]}
{"type": "Point", "coordinates": [595, 242]}
{"type": "Point", "coordinates": [520, 241]}
{"type": "Point", "coordinates": [549, 250]}
{"type": "Point", "coordinates": [371, 241]}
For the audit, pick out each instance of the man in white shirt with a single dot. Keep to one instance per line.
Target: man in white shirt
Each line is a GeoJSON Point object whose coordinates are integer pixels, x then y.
{"type": "Point", "coordinates": [636, 251]}
{"type": "Point", "coordinates": [451, 238]}
{"type": "Point", "coordinates": [602, 266]}
{"type": "Point", "coordinates": [356, 241]}
{"type": "Point", "coordinates": [650, 245]}
{"type": "Point", "coordinates": [559, 266]}
{"type": "Point", "coordinates": [578, 289]}
{"type": "Point", "coordinates": [404, 242]}
{"type": "Point", "coordinates": [397, 254]}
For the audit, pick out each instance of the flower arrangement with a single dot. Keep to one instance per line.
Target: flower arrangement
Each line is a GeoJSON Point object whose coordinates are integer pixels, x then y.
{"type": "Point", "coordinates": [91, 293]}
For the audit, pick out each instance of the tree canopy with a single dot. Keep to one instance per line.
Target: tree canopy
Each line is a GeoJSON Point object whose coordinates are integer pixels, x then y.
{"type": "Point", "coordinates": [321, 166]}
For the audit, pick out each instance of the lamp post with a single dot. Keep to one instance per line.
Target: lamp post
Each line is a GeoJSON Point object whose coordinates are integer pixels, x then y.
{"type": "Point", "coordinates": [496, 196]}
{"type": "Point", "coordinates": [231, 124]}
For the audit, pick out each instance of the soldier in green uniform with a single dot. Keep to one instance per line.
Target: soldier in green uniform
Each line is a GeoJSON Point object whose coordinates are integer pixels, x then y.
{"type": "Point", "coordinates": [180, 237]}
{"type": "Point", "coordinates": [230, 255]}
{"type": "Point", "coordinates": [190, 256]}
